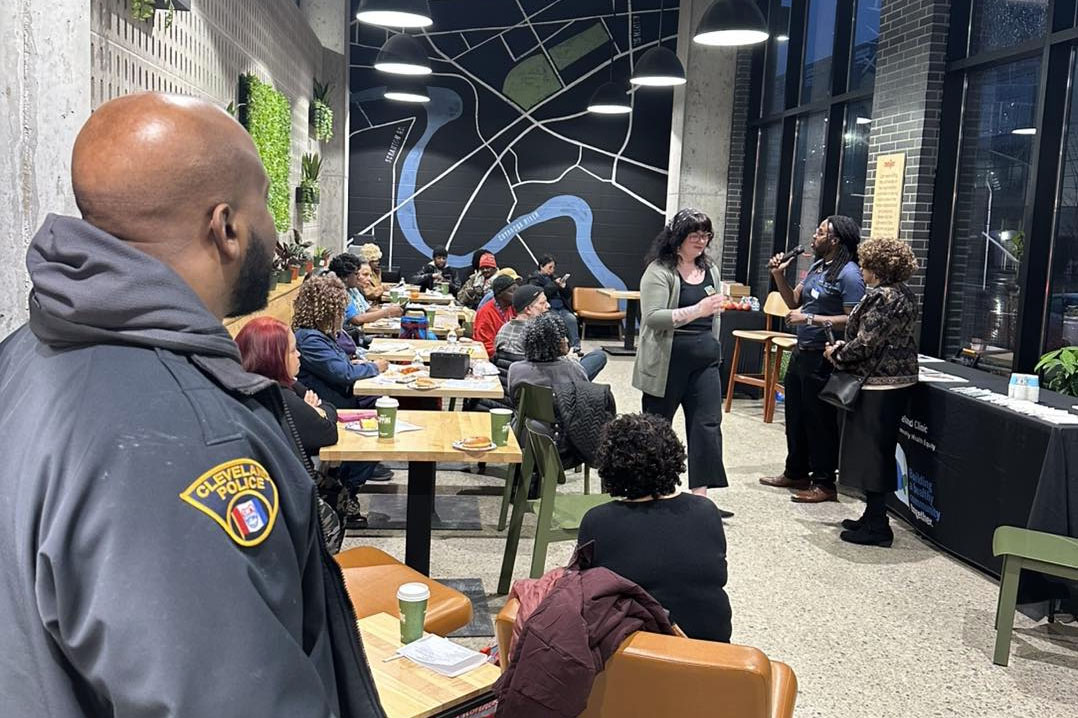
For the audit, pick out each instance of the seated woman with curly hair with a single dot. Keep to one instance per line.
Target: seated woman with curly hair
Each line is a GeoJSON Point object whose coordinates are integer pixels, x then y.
{"type": "Point", "coordinates": [323, 365]}
{"type": "Point", "coordinates": [546, 349]}
{"type": "Point", "coordinates": [671, 544]}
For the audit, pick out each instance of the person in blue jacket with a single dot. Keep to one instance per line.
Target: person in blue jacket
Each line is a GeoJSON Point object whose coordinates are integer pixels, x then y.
{"type": "Point", "coordinates": [324, 367]}
{"type": "Point", "coordinates": [161, 544]}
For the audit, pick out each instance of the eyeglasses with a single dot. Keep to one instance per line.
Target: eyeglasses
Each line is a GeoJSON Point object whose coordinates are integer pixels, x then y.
{"type": "Point", "coordinates": [701, 236]}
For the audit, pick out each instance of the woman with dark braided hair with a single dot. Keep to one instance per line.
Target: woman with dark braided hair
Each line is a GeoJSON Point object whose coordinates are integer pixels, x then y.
{"type": "Point", "coordinates": [830, 290]}
{"type": "Point", "coordinates": [678, 358]}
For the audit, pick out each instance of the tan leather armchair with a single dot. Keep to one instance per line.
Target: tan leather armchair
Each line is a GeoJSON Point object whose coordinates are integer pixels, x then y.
{"type": "Point", "coordinates": [372, 578]}
{"type": "Point", "coordinates": [654, 675]}
{"type": "Point", "coordinates": [591, 306]}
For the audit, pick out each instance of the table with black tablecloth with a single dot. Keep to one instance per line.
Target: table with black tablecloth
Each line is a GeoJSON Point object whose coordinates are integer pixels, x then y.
{"type": "Point", "coordinates": [967, 467]}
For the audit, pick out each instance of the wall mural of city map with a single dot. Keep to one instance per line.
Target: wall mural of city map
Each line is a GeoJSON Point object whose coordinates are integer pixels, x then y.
{"type": "Point", "coordinates": [505, 156]}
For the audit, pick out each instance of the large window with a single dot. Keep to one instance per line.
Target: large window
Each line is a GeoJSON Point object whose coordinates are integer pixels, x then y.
{"type": "Point", "coordinates": [999, 24]}
{"type": "Point", "coordinates": [810, 131]}
{"type": "Point", "coordinates": [1061, 328]}
{"type": "Point", "coordinates": [992, 191]}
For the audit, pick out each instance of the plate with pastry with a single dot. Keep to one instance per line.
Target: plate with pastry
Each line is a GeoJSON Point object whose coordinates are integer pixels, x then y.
{"type": "Point", "coordinates": [475, 443]}
{"type": "Point", "coordinates": [425, 383]}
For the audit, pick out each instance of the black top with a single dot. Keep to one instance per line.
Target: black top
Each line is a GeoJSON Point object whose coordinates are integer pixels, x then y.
{"type": "Point", "coordinates": [692, 294]}
{"type": "Point", "coordinates": [675, 549]}
{"type": "Point", "coordinates": [314, 431]}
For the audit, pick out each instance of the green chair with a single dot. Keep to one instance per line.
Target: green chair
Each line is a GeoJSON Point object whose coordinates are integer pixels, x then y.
{"type": "Point", "coordinates": [537, 403]}
{"type": "Point", "coordinates": [1034, 551]}
{"type": "Point", "coordinates": [558, 516]}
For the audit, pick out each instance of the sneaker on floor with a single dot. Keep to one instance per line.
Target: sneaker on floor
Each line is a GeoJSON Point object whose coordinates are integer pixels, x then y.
{"type": "Point", "coordinates": [381, 473]}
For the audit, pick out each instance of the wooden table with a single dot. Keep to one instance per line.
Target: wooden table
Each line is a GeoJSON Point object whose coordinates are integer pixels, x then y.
{"type": "Point", "coordinates": [492, 389]}
{"type": "Point", "coordinates": [632, 299]}
{"type": "Point", "coordinates": [477, 350]}
{"type": "Point", "coordinates": [445, 318]}
{"type": "Point", "coordinates": [432, 298]}
{"type": "Point", "coordinates": [408, 690]}
{"type": "Point", "coordinates": [422, 449]}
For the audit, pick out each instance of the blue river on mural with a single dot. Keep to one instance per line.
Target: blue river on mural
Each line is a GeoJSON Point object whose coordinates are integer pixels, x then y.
{"type": "Point", "coordinates": [445, 106]}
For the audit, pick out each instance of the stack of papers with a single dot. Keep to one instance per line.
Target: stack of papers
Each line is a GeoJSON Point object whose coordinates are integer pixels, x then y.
{"type": "Point", "coordinates": [939, 377]}
{"type": "Point", "coordinates": [369, 427]}
{"type": "Point", "coordinates": [442, 656]}
{"type": "Point", "coordinates": [1019, 406]}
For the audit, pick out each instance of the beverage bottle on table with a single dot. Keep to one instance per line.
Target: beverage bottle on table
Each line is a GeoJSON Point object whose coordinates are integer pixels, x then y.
{"type": "Point", "coordinates": [417, 360]}
{"type": "Point", "coordinates": [451, 337]}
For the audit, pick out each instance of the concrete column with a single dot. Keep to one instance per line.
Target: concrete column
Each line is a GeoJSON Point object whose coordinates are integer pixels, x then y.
{"type": "Point", "coordinates": [45, 76]}
{"type": "Point", "coordinates": [330, 20]}
{"type": "Point", "coordinates": [701, 125]}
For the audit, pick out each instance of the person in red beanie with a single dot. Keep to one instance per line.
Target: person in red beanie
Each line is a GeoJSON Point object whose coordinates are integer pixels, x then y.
{"type": "Point", "coordinates": [478, 284]}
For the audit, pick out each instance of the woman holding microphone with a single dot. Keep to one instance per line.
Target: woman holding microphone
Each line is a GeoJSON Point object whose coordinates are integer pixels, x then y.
{"type": "Point", "coordinates": [678, 357]}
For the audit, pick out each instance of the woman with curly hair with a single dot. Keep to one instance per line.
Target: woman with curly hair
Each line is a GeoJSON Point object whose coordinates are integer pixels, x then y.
{"type": "Point", "coordinates": [880, 348]}
{"type": "Point", "coordinates": [546, 346]}
{"type": "Point", "coordinates": [325, 367]}
{"type": "Point", "coordinates": [671, 544]}
{"type": "Point", "coordinates": [678, 358]}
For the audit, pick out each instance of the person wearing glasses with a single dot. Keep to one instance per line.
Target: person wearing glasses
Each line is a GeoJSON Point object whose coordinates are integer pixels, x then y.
{"type": "Point", "coordinates": [678, 357]}
{"type": "Point", "coordinates": [826, 296]}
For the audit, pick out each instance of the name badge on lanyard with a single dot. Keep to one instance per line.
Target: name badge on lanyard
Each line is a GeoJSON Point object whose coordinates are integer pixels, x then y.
{"type": "Point", "coordinates": [815, 292]}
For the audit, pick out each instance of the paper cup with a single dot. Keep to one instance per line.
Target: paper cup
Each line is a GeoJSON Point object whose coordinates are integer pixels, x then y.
{"type": "Point", "coordinates": [443, 287]}
{"type": "Point", "coordinates": [386, 408]}
{"type": "Point", "coordinates": [412, 599]}
{"type": "Point", "coordinates": [499, 425]}
{"type": "Point", "coordinates": [431, 313]}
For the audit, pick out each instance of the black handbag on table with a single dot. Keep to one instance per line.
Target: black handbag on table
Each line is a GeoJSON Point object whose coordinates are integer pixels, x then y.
{"type": "Point", "coordinates": [843, 388]}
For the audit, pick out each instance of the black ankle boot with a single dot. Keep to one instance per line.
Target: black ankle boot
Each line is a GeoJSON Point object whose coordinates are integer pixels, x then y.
{"type": "Point", "coordinates": [869, 535]}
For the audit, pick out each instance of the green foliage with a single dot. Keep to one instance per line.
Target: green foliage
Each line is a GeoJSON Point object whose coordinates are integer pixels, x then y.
{"type": "Point", "coordinates": [295, 253]}
{"type": "Point", "coordinates": [310, 167]}
{"type": "Point", "coordinates": [307, 194]}
{"type": "Point", "coordinates": [1059, 370]}
{"type": "Point", "coordinates": [321, 114]}
{"type": "Point", "coordinates": [142, 10]}
{"type": "Point", "coordinates": [268, 117]}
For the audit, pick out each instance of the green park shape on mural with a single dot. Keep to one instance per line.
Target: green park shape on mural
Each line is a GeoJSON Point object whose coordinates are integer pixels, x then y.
{"type": "Point", "coordinates": [266, 114]}
{"type": "Point", "coordinates": [533, 79]}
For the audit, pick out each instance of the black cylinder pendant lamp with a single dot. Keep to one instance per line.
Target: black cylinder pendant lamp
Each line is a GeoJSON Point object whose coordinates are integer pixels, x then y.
{"type": "Point", "coordinates": [612, 98]}
{"type": "Point", "coordinates": [402, 90]}
{"type": "Point", "coordinates": [658, 67]}
{"type": "Point", "coordinates": [403, 55]}
{"type": "Point", "coordinates": [395, 13]}
{"type": "Point", "coordinates": [731, 23]}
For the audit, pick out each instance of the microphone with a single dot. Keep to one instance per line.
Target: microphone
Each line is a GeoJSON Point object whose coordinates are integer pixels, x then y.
{"type": "Point", "coordinates": [798, 250]}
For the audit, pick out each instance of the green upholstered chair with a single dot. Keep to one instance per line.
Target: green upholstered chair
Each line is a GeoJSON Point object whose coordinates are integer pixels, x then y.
{"type": "Point", "coordinates": [1034, 551]}
{"type": "Point", "coordinates": [558, 516]}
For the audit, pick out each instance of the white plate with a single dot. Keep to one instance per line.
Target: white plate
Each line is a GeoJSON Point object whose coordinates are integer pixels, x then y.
{"type": "Point", "coordinates": [458, 444]}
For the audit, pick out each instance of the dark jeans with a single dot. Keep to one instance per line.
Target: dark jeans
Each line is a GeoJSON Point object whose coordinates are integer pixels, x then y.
{"type": "Point", "coordinates": [593, 363]}
{"type": "Point", "coordinates": [694, 384]}
{"type": "Point", "coordinates": [812, 433]}
{"type": "Point", "coordinates": [571, 328]}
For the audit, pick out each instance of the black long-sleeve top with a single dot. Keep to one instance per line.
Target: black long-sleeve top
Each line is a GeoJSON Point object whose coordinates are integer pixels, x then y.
{"type": "Point", "coordinates": [314, 431]}
{"type": "Point", "coordinates": [675, 549]}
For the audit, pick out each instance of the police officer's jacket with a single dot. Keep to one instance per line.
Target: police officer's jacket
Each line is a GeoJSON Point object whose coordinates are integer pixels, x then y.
{"type": "Point", "coordinates": [160, 547]}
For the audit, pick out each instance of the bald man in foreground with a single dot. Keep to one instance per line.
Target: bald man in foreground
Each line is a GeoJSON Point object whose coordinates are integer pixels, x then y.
{"type": "Point", "coordinates": [158, 533]}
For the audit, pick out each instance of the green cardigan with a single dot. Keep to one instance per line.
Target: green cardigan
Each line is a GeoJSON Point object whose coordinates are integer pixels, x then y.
{"type": "Point", "coordinates": [660, 289]}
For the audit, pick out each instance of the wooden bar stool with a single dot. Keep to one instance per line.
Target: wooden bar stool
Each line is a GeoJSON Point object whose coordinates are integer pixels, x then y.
{"type": "Point", "coordinates": [774, 308]}
{"type": "Point", "coordinates": [781, 344]}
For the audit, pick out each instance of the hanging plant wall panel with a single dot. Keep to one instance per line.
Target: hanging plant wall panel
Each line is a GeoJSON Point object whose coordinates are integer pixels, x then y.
{"type": "Point", "coordinates": [267, 115]}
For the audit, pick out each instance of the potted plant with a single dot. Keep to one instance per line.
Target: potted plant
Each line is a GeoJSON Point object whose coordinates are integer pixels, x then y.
{"type": "Point", "coordinates": [274, 279]}
{"type": "Point", "coordinates": [297, 254]}
{"type": "Point", "coordinates": [307, 194]}
{"type": "Point", "coordinates": [1059, 369]}
{"type": "Point", "coordinates": [322, 256]}
{"type": "Point", "coordinates": [280, 264]}
{"type": "Point", "coordinates": [321, 114]}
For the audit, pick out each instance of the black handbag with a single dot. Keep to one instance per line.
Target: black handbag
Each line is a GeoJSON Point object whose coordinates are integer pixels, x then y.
{"type": "Point", "coordinates": [843, 388]}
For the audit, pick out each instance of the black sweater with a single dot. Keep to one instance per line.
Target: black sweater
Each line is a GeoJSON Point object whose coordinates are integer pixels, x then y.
{"type": "Point", "coordinates": [314, 431]}
{"type": "Point", "coordinates": [675, 549]}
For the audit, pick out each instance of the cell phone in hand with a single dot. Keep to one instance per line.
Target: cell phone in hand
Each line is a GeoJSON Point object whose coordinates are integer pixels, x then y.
{"type": "Point", "coordinates": [830, 333]}
{"type": "Point", "coordinates": [565, 277]}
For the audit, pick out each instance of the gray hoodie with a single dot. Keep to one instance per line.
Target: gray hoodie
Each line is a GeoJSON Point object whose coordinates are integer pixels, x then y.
{"type": "Point", "coordinates": [161, 550]}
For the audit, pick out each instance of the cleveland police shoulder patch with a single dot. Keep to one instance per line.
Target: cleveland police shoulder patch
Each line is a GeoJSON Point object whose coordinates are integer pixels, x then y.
{"type": "Point", "coordinates": [240, 496]}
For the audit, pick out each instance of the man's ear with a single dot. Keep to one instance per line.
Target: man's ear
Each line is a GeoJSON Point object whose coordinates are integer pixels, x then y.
{"type": "Point", "coordinates": [224, 232]}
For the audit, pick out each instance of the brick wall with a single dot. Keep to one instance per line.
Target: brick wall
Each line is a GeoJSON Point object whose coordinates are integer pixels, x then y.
{"type": "Point", "coordinates": [736, 172]}
{"type": "Point", "coordinates": [911, 60]}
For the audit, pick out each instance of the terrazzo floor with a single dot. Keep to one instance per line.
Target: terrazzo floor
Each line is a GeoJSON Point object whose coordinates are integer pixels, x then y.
{"type": "Point", "coordinates": [870, 633]}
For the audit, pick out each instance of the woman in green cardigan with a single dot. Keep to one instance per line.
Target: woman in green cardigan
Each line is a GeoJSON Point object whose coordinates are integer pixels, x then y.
{"type": "Point", "coordinates": [678, 357]}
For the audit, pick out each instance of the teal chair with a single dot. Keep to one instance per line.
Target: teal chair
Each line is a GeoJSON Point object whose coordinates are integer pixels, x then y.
{"type": "Point", "coordinates": [558, 516]}
{"type": "Point", "coordinates": [1034, 551]}
{"type": "Point", "coordinates": [537, 403]}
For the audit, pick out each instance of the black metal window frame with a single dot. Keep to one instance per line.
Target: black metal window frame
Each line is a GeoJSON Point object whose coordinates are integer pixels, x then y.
{"type": "Point", "coordinates": [1054, 49]}
{"type": "Point", "coordinates": [834, 105]}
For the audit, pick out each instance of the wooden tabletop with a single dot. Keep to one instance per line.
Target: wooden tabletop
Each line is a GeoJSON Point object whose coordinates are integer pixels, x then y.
{"type": "Point", "coordinates": [432, 443]}
{"type": "Point", "coordinates": [619, 293]}
{"type": "Point", "coordinates": [392, 327]}
{"type": "Point", "coordinates": [447, 389]}
{"type": "Point", "coordinates": [377, 349]}
{"type": "Point", "coordinates": [431, 298]}
{"type": "Point", "coordinates": [408, 690]}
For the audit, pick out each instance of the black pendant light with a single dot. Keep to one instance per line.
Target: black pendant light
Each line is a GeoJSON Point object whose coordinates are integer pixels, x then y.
{"type": "Point", "coordinates": [395, 13]}
{"type": "Point", "coordinates": [401, 90]}
{"type": "Point", "coordinates": [403, 55]}
{"type": "Point", "coordinates": [612, 98]}
{"type": "Point", "coordinates": [730, 23]}
{"type": "Point", "coordinates": [659, 66]}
